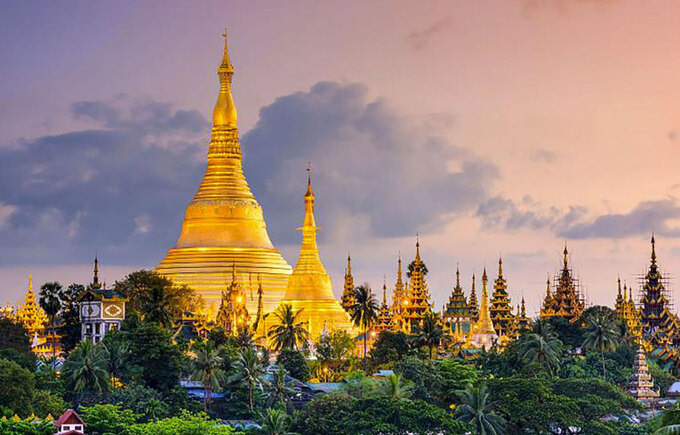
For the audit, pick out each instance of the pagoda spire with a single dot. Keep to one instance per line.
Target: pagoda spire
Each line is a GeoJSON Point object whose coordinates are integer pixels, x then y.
{"type": "Point", "coordinates": [348, 299]}
{"type": "Point", "coordinates": [653, 251]}
{"type": "Point", "coordinates": [566, 256]}
{"type": "Point", "coordinates": [484, 333]}
{"type": "Point", "coordinates": [224, 114]}
{"type": "Point", "coordinates": [457, 276]}
{"type": "Point", "coordinates": [472, 303]}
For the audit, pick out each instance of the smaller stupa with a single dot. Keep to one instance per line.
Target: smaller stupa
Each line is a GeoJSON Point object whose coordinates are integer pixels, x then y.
{"type": "Point", "coordinates": [641, 385]}
{"type": "Point", "coordinates": [483, 334]}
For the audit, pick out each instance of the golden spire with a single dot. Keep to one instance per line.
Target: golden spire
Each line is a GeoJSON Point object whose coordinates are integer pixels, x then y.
{"type": "Point", "coordinates": [348, 299]}
{"type": "Point", "coordinates": [457, 276]}
{"type": "Point", "coordinates": [417, 249]}
{"type": "Point", "coordinates": [566, 256]}
{"type": "Point", "coordinates": [384, 300]}
{"type": "Point", "coordinates": [653, 250]}
{"type": "Point", "coordinates": [500, 267]}
{"type": "Point", "coordinates": [484, 324]}
{"type": "Point", "coordinates": [224, 223]}
{"type": "Point", "coordinates": [619, 282]}
{"type": "Point", "coordinates": [400, 281]}
{"type": "Point", "coordinates": [309, 287]}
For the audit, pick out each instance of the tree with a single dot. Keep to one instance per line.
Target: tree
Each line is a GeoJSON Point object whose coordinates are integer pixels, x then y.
{"type": "Point", "coordinates": [390, 347]}
{"type": "Point", "coordinates": [364, 313]}
{"type": "Point", "coordinates": [158, 359]}
{"type": "Point", "coordinates": [85, 369]}
{"type": "Point", "coordinates": [143, 287]}
{"type": "Point", "coordinates": [324, 414]}
{"type": "Point", "coordinates": [107, 419]}
{"type": "Point", "coordinates": [142, 400]}
{"type": "Point", "coordinates": [280, 391]}
{"type": "Point", "coordinates": [50, 302]}
{"type": "Point", "coordinates": [295, 364]}
{"type": "Point", "coordinates": [335, 349]}
{"type": "Point", "coordinates": [12, 427]}
{"type": "Point", "coordinates": [183, 424]}
{"type": "Point", "coordinates": [396, 388]}
{"type": "Point", "coordinates": [45, 402]}
{"type": "Point", "coordinates": [117, 355]}
{"type": "Point", "coordinates": [15, 344]}
{"type": "Point", "coordinates": [70, 329]}
{"type": "Point", "coordinates": [412, 266]}
{"type": "Point", "coordinates": [249, 370]}
{"type": "Point", "coordinates": [601, 334]}
{"type": "Point", "coordinates": [275, 422]}
{"type": "Point", "coordinates": [454, 376]}
{"type": "Point", "coordinates": [540, 348]}
{"type": "Point", "coordinates": [287, 332]}
{"type": "Point", "coordinates": [17, 387]}
{"type": "Point", "coordinates": [426, 383]}
{"type": "Point", "coordinates": [207, 368]}
{"type": "Point", "coordinates": [478, 411]}
{"type": "Point", "coordinates": [429, 333]}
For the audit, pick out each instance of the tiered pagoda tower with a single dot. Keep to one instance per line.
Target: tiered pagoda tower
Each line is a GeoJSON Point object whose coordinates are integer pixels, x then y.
{"type": "Point", "coordinates": [483, 334]}
{"type": "Point", "coordinates": [654, 303]}
{"type": "Point", "coordinates": [548, 301]}
{"type": "Point", "coordinates": [472, 302]}
{"type": "Point", "coordinates": [223, 224]}
{"type": "Point", "coordinates": [348, 299]}
{"type": "Point", "coordinates": [641, 385]}
{"type": "Point", "coordinates": [384, 313]}
{"type": "Point", "coordinates": [399, 301]}
{"type": "Point", "coordinates": [30, 314]}
{"type": "Point", "coordinates": [309, 287]}
{"type": "Point", "coordinates": [566, 301]}
{"type": "Point", "coordinates": [233, 313]}
{"type": "Point", "coordinates": [501, 310]}
{"type": "Point", "coordinates": [418, 297]}
{"type": "Point", "coordinates": [523, 321]}
{"type": "Point", "coordinates": [456, 311]}
{"type": "Point", "coordinates": [626, 310]}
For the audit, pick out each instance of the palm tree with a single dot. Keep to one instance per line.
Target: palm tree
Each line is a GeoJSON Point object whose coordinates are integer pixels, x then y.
{"type": "Point", "coordinates": [116, 355]}
{"type": "Point", "coordinates": [275, 422]}
{"type": "Point", "coordinates": [85, 369]}
{"type": "Point", "coordinates": [280, 390]}
{"type": "Point", "coordinates": [601, 334]}
{"type": "Point", "coordinates": [397, 388]}
{"type": "Point", "coordinates": [207, 368]}
{"type": "Point", "coordinates": [249, 369]}
{"type": "Point", "coordinates": [429, 333]}
{"type": "Point", "coordinates": [244, 337]}
{"type": "Point", "coordinates": [157, 305]}
{"type": "Point", "coordinates": [50, 302]}
{"type": "Point", "coordinates": [288, 331]}
{"type": "Point", "coordinates": [364, 312]}
{"type": "Point", "coordinates": [541, 347]}
{"type": "Point", "coordinates": [476, 411]}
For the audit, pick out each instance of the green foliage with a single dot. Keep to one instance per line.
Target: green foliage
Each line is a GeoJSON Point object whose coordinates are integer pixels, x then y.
{"type": "Point", "coordinates": [426, 382]}
{"type": "Point", "coordinates": [50, 302]}
{"type": "Point", "coordinates": [390, 347]}
{"type": "Point", "coordinates": [295, 364]}
{"type": "Point", "coordinates": [275, 422]}
{"type": "Point", "coordinates": [25, 360]}
{"type": "Point", "coordinates": [14, 337]}
{"type": "Point", "coordinates": [158, 359]}
{"type": "Point", "coordinates": [335, 350]}
{"type": "Point", "coordinates": [662, 378]}
{"type": "Point", "coordinates": [156, 297]}
{"type": "Point", "coordinates": [184, 424]}
{"type": "Point", "coordinates": [289, 331]}
{"type": "Point", "coordinates": [44, 402]}
{"type": "Point", "coordinates": [70, 329]}
{"type": "Point", "coordinates": [602, 333]}
{"type": "Point", "coordinates": [364, 313]}
{"type": "Point", "coordinates": [248, 370]}
{"type": "Point", "coordinates": [11, 427]}
{"type": "Point", "coordinates": [571, 334]}
{"type": "Point", "coordinates": [107, 419]}
{"type": "Point", "coordinates": [17, 387]}
{"type": "Point", "coordinates": [207, 368]}
{"type": "Point", "coordinates": [342, 414]}
{"type": "Point", "coordinates": [141, 400]}
{"type": "Point", "coordinates": [429, 333]}
{"type": "Point", "coordinates": [454, 376]}
{"type": "Point", "coordinates": [85, 369]}
{"type": "Point", "coordinates": [477, 411]}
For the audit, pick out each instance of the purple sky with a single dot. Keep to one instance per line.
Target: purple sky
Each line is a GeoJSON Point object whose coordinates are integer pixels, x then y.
{"type": "Point", "coordinates": [489, 127]}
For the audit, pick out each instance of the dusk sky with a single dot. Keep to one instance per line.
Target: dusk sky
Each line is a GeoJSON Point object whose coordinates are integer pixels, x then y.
{"type": "Point", "coordinates": [488, 127]}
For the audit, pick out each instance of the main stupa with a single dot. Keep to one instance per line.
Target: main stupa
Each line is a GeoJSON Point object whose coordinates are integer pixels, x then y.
{"type": "Point", "coordinates": [223, 227]}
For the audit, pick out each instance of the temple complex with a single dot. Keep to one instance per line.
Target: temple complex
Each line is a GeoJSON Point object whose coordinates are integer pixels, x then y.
{"type": "Point", "coordinates": [566, 301]}
{"type": "Point", "coordinates": [223, 225]}
{"type": "Point", "coordinates": [309, 287]}
{"type": "Point", "coordinates": [34, 320]}
{"type": "Point", "coordinates": [501, 310]}
{"type": "Point", "coordinates": [625, 309]}
{"type": "Point", "coordinates": [233, 313]}
{"type": "Point", "coordinates": [483, 334]}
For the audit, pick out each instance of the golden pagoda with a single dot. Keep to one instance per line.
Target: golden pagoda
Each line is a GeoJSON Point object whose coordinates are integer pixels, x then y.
{"type": "Point", "coordinates": [223, 224]}
{"type": "Point", "coordinates": [384, 313]}
{"type": "Point", "coordinates": [32, 317]}
{"type": "Point", "coordinates": [501, 310]}
{"type": "Point", "coordinates": [399, 302]}
{"type": "Point", "coordinates": [566, 301]}
{"type": "Point", "coordinates": [418, 296]}
{"type": "Point", "coordinates": [483, 334]}
{"type": "Point", "coordinates": [472, 302]}
{"type": "Point", "coordinates": [309, 286]}
{"type": "Point", "coordinates": [348, 299]}
{"type": "Point", "coordinates": [233, 313]}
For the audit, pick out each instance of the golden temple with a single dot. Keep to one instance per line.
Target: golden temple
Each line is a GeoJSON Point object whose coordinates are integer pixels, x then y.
{"type": "Point", "coordinates": [309, 286]}
{"type": "Point", "coordinates": [223, 226]}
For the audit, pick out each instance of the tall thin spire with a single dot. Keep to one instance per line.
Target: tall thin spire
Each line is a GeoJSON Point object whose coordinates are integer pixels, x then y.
{"type": "Point", "coordinates": [457, 276]}
{"type": "Point", "coordinates": [500, 267]}
{"type": "Point", "coordinates": [653, 250]}
{"type": "Point", "coordinates": [224, 114]}
{"type": "Point", "coordinates": [566, 256]}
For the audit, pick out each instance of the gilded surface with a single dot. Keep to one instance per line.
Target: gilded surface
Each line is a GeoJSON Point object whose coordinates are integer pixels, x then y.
{"type": "Point", "coordinates": [223, 225]}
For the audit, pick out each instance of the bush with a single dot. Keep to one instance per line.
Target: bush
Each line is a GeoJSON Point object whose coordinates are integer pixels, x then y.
{"type": "Point", "coordinates": [107, 419]}
{"type": "Point", "coordinates": [295, 364]}
{"type": "Point", "coordinates": [17, 389]}
{"type": "Point", "coordinates": [185, 424]}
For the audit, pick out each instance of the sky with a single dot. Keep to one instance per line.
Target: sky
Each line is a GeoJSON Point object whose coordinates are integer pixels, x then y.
{"type": "Point", "coordinates": [489, 128]}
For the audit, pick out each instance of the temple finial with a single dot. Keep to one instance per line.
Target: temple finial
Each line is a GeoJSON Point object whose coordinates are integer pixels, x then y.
{"type": "Point", "coordinates": [653, 250]}
{"type": "Point", "coordinates": [457, 276]}
{"type": "Point", "coordinates": [566, 255]}
{"type": "Point", "coordinates": [500, 267]}
{"type": "Point", "coordinates": [224, 114]}
{"type": "Point", "coordinates": [309, 180]}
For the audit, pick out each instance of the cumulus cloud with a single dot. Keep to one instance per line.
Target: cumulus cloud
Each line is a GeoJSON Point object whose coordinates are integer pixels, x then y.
{"type": "Point", "coordinates": [646, 217]}
{"type": "Point", "coordinates": [419, 39]}
{"type": "Point", "coordinates": [101, 187]}
{"type": "Point", "coordinates": [376, 173]}
{"type": "Point", "coordinates": [499, 212]}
